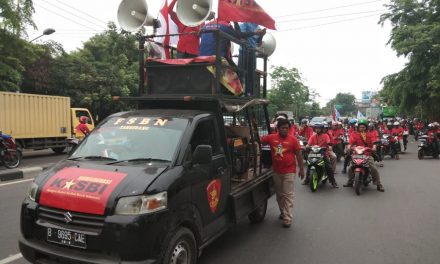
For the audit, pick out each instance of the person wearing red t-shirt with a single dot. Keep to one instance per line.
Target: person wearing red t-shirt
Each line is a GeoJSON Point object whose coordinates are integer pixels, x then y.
{"type": "Point", "coordinates": [286, 150]}
{"type": "Point", "coordinates": [323, 140]}
{"type": "Point", "coordinates": [331, 153]}
{"type": "Point", "coordinates": [305, 130]}
{"type": "Point", "coordinates": [338, 133]}
{"type": "Point", "coordinates": [189, 41]}
{"type": "Point", "coordinates": [405, 128]}
{"type": "Point", "coordinates": [433, 140]}
{"type": "Point", "coordinates": [398, 131]}
{"type": "Point", "coordinates": [374, 134]}
{"type": "Point", "coordinates": [362, 138]}
{"type": "Point", "coordinates": [82, 126]}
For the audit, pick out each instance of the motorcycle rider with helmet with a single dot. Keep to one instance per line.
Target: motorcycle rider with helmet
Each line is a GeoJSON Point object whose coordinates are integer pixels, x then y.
{"type": "Point", "coordinates": [433, 140]}
{"type": "Point", "coordinates": [351, 130]}
{"type": "Point", "coordinates": [405, 127]}
{"type": "Point", "coordinates": [305, 130]}
{"type": "Point", "coordinates": [362, 138]}
{"type": "Point", "coordinates": [397, 130]}
{"type": "Point", "coordinates": [331, 153]}
{"type": "Point", "coordinates": [323, 140]}
{"type": "Point", "coordinates": [374, 134]}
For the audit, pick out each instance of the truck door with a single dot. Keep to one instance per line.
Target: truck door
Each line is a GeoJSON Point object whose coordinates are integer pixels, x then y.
{"type": "Point", "coordinates": [210, 183]}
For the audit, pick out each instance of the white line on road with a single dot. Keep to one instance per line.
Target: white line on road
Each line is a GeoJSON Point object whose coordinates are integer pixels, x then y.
{"type": "Point", "coordinates": [11, 258]}
{"type": "Point", "coordinates": [9, 183]}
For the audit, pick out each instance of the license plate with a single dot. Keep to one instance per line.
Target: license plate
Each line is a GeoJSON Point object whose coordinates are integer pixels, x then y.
{"type": "Point", "coordinates": [359, 156]}
{"type": "Point", "coordinates": [314, 155]}
{"type": "Point", "coordinates": [66, 237]}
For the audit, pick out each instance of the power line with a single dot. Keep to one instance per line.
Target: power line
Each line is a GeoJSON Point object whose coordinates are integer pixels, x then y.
{"type": "Point", "coordinates": [339, 15]}
{"type": "Point", "coordinates": [331, 8]}
{"type": "Point", "coordinates": [55, 13]}
{"type": "Point", "coordinates": [82, 12]}
{"type": "Point", "coordinates": [73, 14]}
{"type": "Point", "coordinates": [326, 24]}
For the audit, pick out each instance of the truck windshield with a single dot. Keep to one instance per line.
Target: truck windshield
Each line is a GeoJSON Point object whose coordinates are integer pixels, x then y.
{"type": "Point", "coordinates": [151, 139]}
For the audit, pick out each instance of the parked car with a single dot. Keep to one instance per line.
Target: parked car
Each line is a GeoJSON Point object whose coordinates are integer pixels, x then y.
{"type": "Point", "coordinates": [320, 119]}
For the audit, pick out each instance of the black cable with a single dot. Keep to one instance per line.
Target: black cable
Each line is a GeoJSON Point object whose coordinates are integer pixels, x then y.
{"type": "Point", "coordinates": [73, 14]}
{"type": "Point", "coordinates": [331, 8]}
{"type": "Point", "coordinates": [325, 24]}
{"type": "Point", "coordinates": [340, 15]}
{"type": "Point", "coordinates": [55, 13]}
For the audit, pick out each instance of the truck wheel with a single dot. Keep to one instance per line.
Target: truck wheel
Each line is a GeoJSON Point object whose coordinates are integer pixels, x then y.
{"type": "Point", "coordinates": [181, 248]}
{"type": "Point", "coordinates": [257, 216]}
{"type": "Point", "coordinates": [59, 150]}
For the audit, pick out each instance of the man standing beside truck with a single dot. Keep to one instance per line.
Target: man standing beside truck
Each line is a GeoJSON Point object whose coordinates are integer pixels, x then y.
{"type": "Point", "coordinates": [285, 149]}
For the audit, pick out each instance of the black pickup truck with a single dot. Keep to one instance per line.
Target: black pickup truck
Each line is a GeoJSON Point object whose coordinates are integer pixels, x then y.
{"type": "Point", "coordinates": [153, 185]}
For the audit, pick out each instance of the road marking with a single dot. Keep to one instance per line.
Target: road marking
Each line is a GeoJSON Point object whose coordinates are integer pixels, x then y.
{"type": "Point", "coordinates": [11, 258]}
{"type": "Point", "coordinates": [9, 183]}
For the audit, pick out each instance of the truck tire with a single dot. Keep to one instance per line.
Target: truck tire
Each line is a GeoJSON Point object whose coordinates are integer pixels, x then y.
{"type": "Point", "coordinates": [180, 248]}
{"type": "Point", "coordinates": [257, 216]}
{"type": "Point", "coordinates": [59, 150]}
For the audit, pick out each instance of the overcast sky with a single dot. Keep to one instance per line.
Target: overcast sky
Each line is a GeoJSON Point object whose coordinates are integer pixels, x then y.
{"type": "Point", "coordinates": [337, 45]}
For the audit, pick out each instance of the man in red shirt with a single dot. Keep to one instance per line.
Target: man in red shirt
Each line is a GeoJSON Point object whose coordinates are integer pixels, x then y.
{"type": "Point", "coordinates": [189, 42]}
{"type": "Point", "coordinates": [374, 134]}
{"type": "Point", "coordinates": [397, 131]}
{"type": "Point", "coordinates": [285, 149]}
{"type": "Point", "coordinates": [362, 138]}
{"type": "Point", "coordinates": [433, 140]}
{"type": "Point", "coordinates": [305, 130]}
{"type": "Point", "coordinates": [404, 125]}
{"type": "Point", "coordinates": [323, 140]}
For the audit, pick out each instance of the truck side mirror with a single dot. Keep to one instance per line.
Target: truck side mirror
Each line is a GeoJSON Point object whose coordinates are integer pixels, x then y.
{"type": "Point", "coordinates": [202, 154]}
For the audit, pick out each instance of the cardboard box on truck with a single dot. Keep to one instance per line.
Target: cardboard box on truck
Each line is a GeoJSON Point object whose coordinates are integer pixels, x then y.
{"type": "Point", "coordinates": [38, 121]}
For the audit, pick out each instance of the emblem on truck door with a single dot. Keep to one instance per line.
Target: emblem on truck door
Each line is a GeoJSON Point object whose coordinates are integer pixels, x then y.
{"type": "Point", "coordinates": [213, 190]}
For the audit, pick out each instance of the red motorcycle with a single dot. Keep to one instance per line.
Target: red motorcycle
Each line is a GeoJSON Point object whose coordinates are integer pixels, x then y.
{"type": "Point", "coordinates": [10, 155]}
{"type": "Point", "coordinates": [360, 167]}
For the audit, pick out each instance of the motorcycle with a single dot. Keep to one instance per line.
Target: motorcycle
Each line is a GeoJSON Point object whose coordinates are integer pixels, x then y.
{"type": "Point", "coordinates": [424, 147]}
{"type": "Point", "coordinates": [360, 167]}
{"type": "Point", "coordinates": [316, 167]}
{"type": "Point", "coordinates": [10, 155]}
{"type": "Point", "coordinates": [389, 146]}
{"type": "Point", "coordinates": [339, 148]}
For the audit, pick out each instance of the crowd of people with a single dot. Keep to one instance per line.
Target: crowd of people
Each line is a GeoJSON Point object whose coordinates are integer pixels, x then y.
{"type": "Point", "coordinates": [337, 138]}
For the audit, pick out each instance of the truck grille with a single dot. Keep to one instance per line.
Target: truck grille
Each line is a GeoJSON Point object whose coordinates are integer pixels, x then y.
{"type": "Point", "coordinates": [79, 221]}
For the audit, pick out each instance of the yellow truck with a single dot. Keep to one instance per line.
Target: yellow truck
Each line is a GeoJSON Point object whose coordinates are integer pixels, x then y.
{"type": "Point", "coordinates": [40, 121]}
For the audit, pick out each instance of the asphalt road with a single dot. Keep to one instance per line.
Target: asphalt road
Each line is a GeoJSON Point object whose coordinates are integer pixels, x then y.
{"type": "Point", "coordinates": [36, 158]}
{"type": "Point", "coordinates": [331, 226]}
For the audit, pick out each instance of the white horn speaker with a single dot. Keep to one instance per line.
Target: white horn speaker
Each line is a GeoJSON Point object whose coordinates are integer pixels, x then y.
{"type": "Point", "coordinates": [193, 12]}
{"type": "Point", "coordinates": [133, 15]}
{"type": "Point", "coordinates": [268, 44]}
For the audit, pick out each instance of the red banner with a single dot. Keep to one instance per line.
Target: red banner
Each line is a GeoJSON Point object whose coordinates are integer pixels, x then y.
{"type": "Point", "coordinates": [244, 11]}
{"type": "Point", "coordinates": [80, 190]}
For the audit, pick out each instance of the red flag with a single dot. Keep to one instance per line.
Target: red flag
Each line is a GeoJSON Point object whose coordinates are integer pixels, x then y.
{"type": "Point", "coordinates": [165, 28]}
{"type": "Point", "coordinates": [244, 11]}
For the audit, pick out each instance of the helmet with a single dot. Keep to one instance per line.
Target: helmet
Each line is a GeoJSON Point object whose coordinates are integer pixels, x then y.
{"type": "Point", "coordinates": [362, 122]}
{"type": "Point", "coordinates": [353, 121]}
{"type": "Point", "coordinates": [430, 126]}
{"type": "Point", "coordinates": [318, 125]}
{"type": "Point", "coordinates": [83, 119]}
{"type": "Point", "coordinates": [389, 124]}
{"type": "Point", "coordinates": [304, 121]}
{"type": "Point", "coordinates": [334, 123]}
{"type": "Point", "coordinates": [370, 125]}
{"type": "Point", "coordinates": [339, 123]}
{"type": "Point", "coordinates": [396, 123]}
{"type": "Point", "coordinates": [436, 124]}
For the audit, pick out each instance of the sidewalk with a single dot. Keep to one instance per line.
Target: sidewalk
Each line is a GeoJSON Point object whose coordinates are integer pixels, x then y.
{"type": "Point", "coordinates": [22, 173]}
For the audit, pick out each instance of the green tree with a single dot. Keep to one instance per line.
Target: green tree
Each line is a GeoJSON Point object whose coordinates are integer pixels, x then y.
{"type": "Point", "coordinates": [346, 101]}
{"type": "Point", "coordinates": [415, 35]}
{"type": "Point", "coordinates": [288, 91]}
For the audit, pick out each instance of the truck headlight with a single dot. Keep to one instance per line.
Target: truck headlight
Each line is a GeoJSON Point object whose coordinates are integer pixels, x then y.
{"type": "Point", "coordinates": [142, 204]}
{"type": "Point", "coordinates": [32, 191]}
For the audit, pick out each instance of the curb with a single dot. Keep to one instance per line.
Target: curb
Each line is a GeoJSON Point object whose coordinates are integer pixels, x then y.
{"type": "Point", "coordinates": [22, 173]}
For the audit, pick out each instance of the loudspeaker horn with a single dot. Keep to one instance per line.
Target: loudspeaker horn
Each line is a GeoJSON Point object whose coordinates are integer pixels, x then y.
{"type": "Point", "coordinates": [133, 15]}
{"type": "Point", "coordinates": [193, 12]}
{"type": "Point", "coordinates": [268, 44]}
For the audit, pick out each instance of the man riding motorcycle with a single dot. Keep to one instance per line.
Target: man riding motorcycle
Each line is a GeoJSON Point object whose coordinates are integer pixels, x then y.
{"type": "Point", "coordinates": [332, 155]}
{"type": "Point", "coordinates": [351, 130]}
{"type": "Point", "coordinates": [337, 140]}
{"type": "Point", "coordinates": [405, 127]}
{"type": "Point", "coordinates": [374, 134]}
{"type": "Point", "coordinates": [362, 138]}
{"type": "Point", "coordinates": [433, 133]}
{"type": "Point", "coordinates": [323, 140]}
{"type": "Point", "coordinates": [397, 131]}
{"type": "Point", "coordinates": [305, 130]}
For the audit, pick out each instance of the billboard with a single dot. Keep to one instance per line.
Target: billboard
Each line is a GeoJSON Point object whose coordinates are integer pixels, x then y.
{"type": "Point", "coordinates": [367, 96]}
